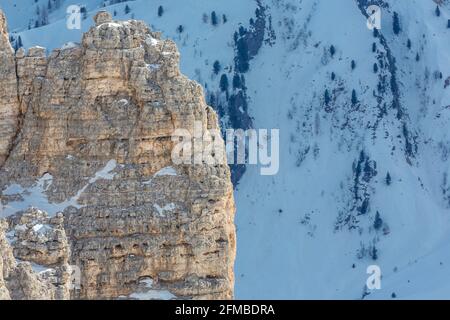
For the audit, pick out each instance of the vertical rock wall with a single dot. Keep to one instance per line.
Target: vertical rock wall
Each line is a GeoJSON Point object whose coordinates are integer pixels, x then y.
{"type": "Point", "coordinates": [93, 141]}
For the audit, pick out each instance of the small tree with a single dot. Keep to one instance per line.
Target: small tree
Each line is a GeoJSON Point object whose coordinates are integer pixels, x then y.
{"type": "Point", "coordinates": [417, 57]}
{"type": "Point", "coordinates": [408, 44]}
{"type": "Point", "coordinates": [332, 50]}
{"type": "Point", "coordinates": [127, 9]}
{"type": "Point", "coordinates": [388, 179]}
{"type": "Point", "coordinates": [115, 13]}
{"type": "Point", "coordinates": [353, 64]}
{"type": "Point", "coordinates": [378, 222]}
{"type": "Point", "coordinates": [160, 11]}
{"type": "Point", "coordinates": [216, 67]}
{"type": "Point", "coordinates": [375, 68]}
{"type": "Point", "coordinates": [333, 76]}
{"type": "Point", "coordinates": [374, 253]}
{"type": "Point", "coordinates": [224, 19]}
{"type": "Point", "coordinates": [326, 97]}
{"type": "Point", "coordinates": [224, 83]}
{"type": "Point", "coordinates": [237, 83]}
{"type": "Point", "coordinates": [243, 57]}
{"type": "Point", "coordinates": [180, 29]}
{"type": "Point", "coordinates": [19, 42]}
{"type": "Point", "coordinates": [438, 11]}
{"type": "Point", "coordinates": [374, 47]}
{"type": "Point", "coordinates": [375, 32]}
{"type": "Point", "coordinates": [448, 24]}
{"type": "Point", "coordinates": [83, 12]}
{"type": "Point", "coordinates": [396, 23]}
{"type": "Point", "coordinates": [214, 21]}
{"type": "Point", "coordinates": [354, 97]}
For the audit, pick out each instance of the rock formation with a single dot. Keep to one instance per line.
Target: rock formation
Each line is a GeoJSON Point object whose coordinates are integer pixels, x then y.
{"type": "Point", "coordinates": [9, 105]}
{"type": "Point", "coordinates": [87, 178]}
{"type": "Point", "coordinates": [35, 255]}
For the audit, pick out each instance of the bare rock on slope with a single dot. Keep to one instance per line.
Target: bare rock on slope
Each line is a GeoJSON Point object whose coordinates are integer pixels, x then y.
{"type": "Point", "coordinates": [97, 120]}
{"type": "Point", "coordinates": [9, 103]}
{"type": "Point", "coordinates": [35, 255]}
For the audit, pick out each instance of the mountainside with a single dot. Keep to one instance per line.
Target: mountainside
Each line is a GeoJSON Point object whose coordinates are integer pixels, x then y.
{"type": "Point", "coordinates": [364, 139]}
{"type": "Point", "coordinates": [360, 182]}
{"type": "Point", "coordinates": [88, 179]}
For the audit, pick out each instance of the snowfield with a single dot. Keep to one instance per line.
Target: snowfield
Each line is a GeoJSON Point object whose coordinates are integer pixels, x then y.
{"type": "Point", "coordinates": [364, 138]}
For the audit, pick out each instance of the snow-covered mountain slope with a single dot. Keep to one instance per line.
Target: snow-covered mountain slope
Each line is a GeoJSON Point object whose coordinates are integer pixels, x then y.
{"type": "Point", "coordinates": [364, 138]}
{"type": "Point", "coordinates": [319, 230]}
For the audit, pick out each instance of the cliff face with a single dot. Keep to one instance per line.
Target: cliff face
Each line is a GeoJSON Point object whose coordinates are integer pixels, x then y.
{"type": "Point", "coordinates": [86, 137]}
{"type": "Point", "coordinates": [9, 106]}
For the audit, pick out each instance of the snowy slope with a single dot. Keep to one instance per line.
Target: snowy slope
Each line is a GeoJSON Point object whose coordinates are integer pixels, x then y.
{"type": "Point", "coordinates": [302, 257]}
{"type": "Point", "coordinates": [312, 230]}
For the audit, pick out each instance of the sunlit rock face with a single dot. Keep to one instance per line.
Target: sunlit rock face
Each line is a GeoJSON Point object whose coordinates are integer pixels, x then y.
{"type": "Point", "coordinates": [9, 103]}
{"type": "Point", "coordinates": [86, 139]}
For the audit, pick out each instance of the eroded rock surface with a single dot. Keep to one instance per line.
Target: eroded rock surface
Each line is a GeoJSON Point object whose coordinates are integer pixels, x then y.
{"type": "Point", "coordinates": [9, 103]}
{"type": "Point", "coordinates": [34, 255]}
{"type": "Point", "coordinates": [86, 137]}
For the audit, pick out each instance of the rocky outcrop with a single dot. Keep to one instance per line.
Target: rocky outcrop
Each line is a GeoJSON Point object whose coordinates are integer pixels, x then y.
{"type": "Point", "coordinates": [38, 238]}
{"type": "Point", "coordinates": [29, 272]}
{"type": "Point", "coordinates": [9, 103]}
{"type": "Point", "coordinates": [90, 144]}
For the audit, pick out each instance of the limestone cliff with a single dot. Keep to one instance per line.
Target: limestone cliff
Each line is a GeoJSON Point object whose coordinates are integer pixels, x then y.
{"type": "Point", "coordinates": [86, 141]}
{"type": "Point", "coordinates": [9, 104]}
